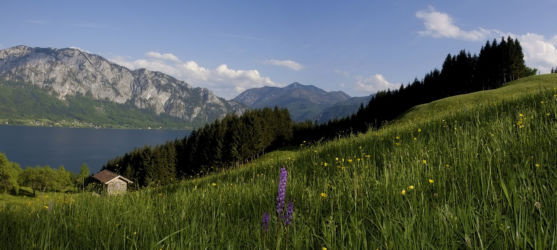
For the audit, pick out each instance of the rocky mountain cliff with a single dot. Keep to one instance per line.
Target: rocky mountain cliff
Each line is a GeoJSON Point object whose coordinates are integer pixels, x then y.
{"type": "Point", "coordinates": [69, 72]}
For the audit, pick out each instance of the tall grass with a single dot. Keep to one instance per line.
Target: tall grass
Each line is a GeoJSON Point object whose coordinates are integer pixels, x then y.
{"type": "Point", "coordinates": [482, 176]}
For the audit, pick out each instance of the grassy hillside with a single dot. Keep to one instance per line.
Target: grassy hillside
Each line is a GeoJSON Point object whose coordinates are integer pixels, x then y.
{"type": "Point", "coordinates": [470, 171]}
{"type": "Point", "coordinates": [35, 107]}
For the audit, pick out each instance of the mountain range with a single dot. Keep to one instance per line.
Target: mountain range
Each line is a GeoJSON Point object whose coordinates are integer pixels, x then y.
{"type": "Point", "coordinates": [70, 72]}
{"type": "Point", "coordinates": [304, 102]}
{"type": "Point", "coordinates": [87, 89]}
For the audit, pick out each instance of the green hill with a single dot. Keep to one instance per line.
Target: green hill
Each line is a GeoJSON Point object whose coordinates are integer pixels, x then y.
{"type": "Point", "coordinates": [31, 106]}
{"type": "Point", "coordinates": [470, 171]}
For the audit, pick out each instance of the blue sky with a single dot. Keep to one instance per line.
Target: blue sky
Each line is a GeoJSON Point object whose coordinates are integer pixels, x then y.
{"type": "Point", "coordinates": [228, 46]}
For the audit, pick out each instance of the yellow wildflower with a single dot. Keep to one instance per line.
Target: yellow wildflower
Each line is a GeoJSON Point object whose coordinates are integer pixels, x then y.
{"type": "Point", "coordinates": [349, 160]}
{"type": "Point", "coordinates": [367, 156]}
{"type": "Point", "coordinates": [419, 130]}
{"type": "Point", "coordinates": [397, 137]}
{"type": "Point", "coordinates": [213, 184]}
{"type": "Point", "coordinates": [521, 115]}
{"type": "Point", "coordinates": [323, 195]}
{"type": "Point", "coordinates": [424, 162]}
{"type": "Point", "coordinates": [403, 192]}
{"type": "Point", "coordinates": [324, 164]}
{"type": "Point", "coordinates": [323, 248]}
{"type": "Point", "coordinates": [336, 158]}
{"type": "Point", "coordinates": [538, 165]}
{"type": "Point", "coordinates": [415, 138]}
{"type": "Point", "coordinates": [431, 181]}
{"type": "Point", "coordinates": [45, 207]}
{"type": "Point", "coordinates": [411, 187]}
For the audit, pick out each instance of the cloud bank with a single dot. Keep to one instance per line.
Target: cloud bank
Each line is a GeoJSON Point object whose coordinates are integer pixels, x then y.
{"type": "Point", "coordinates": [285, 63]}
{"type": "Point", "coordinates": [373, 84]}
{"type": "Point", "coordinates": [222, 80]}
{"type": "Point", "coordinates": [539, 52]}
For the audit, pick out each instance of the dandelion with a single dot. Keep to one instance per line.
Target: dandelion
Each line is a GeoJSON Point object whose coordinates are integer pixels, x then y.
{"type": "Point", "coordinates": [213, 184]}
{"type": "Point", "coordinates": [419, 130]}
{"type": "Point", "coordinates": [521, 115]}
{"type": "Point", "coordinates": [349, 160]}
{"type": "Point", "coordinates": [424, 162]}
{"type": "Point", "coordinates": [411, 187]}
{"type": "Point", "coordinates": [403, 192]}
{"type": "Point", "coordinates": [431, 181]}
{"type": "Point", "coordinates": [281, 191]}
{"type": "Point", "coordinates": [336, 158]}
{"type": "Point", "coordinates": [265, 222]}
{"type": "Point", "coordinates": [134, 233]}
{"type": "Point", "coordinates": [537, 165]}
{"type": "Point", "coordinates": [323, 248]}
{"type": "Point", "coordinates": [547, 114]}
{"type": "Point", "coordinates": [397, 137]}
{"type": "Point", "coordinates": [415, 138]}
{"type": "Point", "coordinates": [46, 207]}
{"type": "Point", "coordinates": [367, 156]}
{"type": "Point", "coordinates": [324, 164]}
{"type": "Point", "coordinates": [323, 195]}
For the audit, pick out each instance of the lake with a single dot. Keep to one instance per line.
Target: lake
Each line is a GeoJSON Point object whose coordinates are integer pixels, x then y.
{"type": "Point", "coordinates": [70, 147]}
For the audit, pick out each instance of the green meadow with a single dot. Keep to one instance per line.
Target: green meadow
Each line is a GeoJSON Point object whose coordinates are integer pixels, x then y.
{"type": "Point", "coordinates": [470, 171]}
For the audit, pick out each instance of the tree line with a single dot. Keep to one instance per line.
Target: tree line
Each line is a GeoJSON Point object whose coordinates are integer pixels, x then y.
{"type": "Point", "coordinates": [39, 178]}
{"type": "Point", "coordinates": [496, 64]}
{"type": "Point", "coordinates": [226, 142]}
{"type": "Point", "coordinates": [236, 139]}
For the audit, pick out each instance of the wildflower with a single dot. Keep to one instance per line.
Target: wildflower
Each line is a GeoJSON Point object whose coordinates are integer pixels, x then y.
{"type": "Point", "coordinates": [336, 158]}
{"type": "Point", "coordinates": [213, 184]}
{"type": "Point", "coordinates": [397, 137]}
{"type": "Point", "coordinates": [521, 115]}
{"type": "Point", "coordinates": [324, 164]}
{"type": "Point", "coordinates": [323, 248]}
{"type": "Point", "coordinates": [281, 190]}
{"type": "Point", "coordinates": [323, 195]}
{"type": "Point", "coordinates": [134, 233]}
{"type": "Point", "coordinates": [367, 156]}
{"type": "Point", "coordinates": [419, 130]}
{"type": "Point", "coordinates": [411, 187]}
{"type": "Point", "coordinates": [537, 165]}
{"type": "Point", "coordinates": [289, 212]}
{"type": "Point", "coordinates": [424, 162]}
{"type": "Point", "coordinates": [349, 160]}
{"type": "Point", "coordinates": [46, 207]}
{"type": "Point", "coordinates": [537, 205]}
{"type": "Point", "coordinates": [431, 181]}
{"type": "Point", "coordinates": [403, 192]}
{"type": "Point", "coordinates": [265, 222]}
{"type": "Point", "coordinates": [547, 114]}
{"type": "Point", "coordinates": [415, 138]}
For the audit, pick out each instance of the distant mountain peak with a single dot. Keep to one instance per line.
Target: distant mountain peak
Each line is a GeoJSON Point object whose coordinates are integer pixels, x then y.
{"type": "Point", "coordinates": [305, 102]}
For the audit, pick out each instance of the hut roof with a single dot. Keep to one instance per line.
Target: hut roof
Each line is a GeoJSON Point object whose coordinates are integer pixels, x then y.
{"type": "Point", "coordinates": [106, 176]}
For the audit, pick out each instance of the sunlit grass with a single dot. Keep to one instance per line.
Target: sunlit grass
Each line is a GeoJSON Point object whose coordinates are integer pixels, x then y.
{"type": "Point", "coordinates": [472, 171]}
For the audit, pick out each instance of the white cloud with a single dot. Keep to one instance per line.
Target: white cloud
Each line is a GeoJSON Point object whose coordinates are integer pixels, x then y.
{"type": "Point", "coordinates": [440, 24]}
{"type": "Point", "coordinates": [373, 84]}
{"type": "Point", "coordinates": [223, 81]}
{"type": "Point", "coordinates": [165, 56]}
{"type": "Point", "coordinates": [285, 63]}
{"type": "Point", "coordinates": [539, 52]}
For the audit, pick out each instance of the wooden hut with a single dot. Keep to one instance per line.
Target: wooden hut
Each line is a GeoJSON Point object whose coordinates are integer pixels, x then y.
{"type": "Point", "coordinates": [112, 183]}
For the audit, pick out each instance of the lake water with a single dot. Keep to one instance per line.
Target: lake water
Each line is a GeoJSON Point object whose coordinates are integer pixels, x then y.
{"type": "Point", "coordinates": [70, 147]}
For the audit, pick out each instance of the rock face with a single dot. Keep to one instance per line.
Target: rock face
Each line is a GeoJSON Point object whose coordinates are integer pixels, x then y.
{"type": "Point", "coordinates": [69, 72]}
